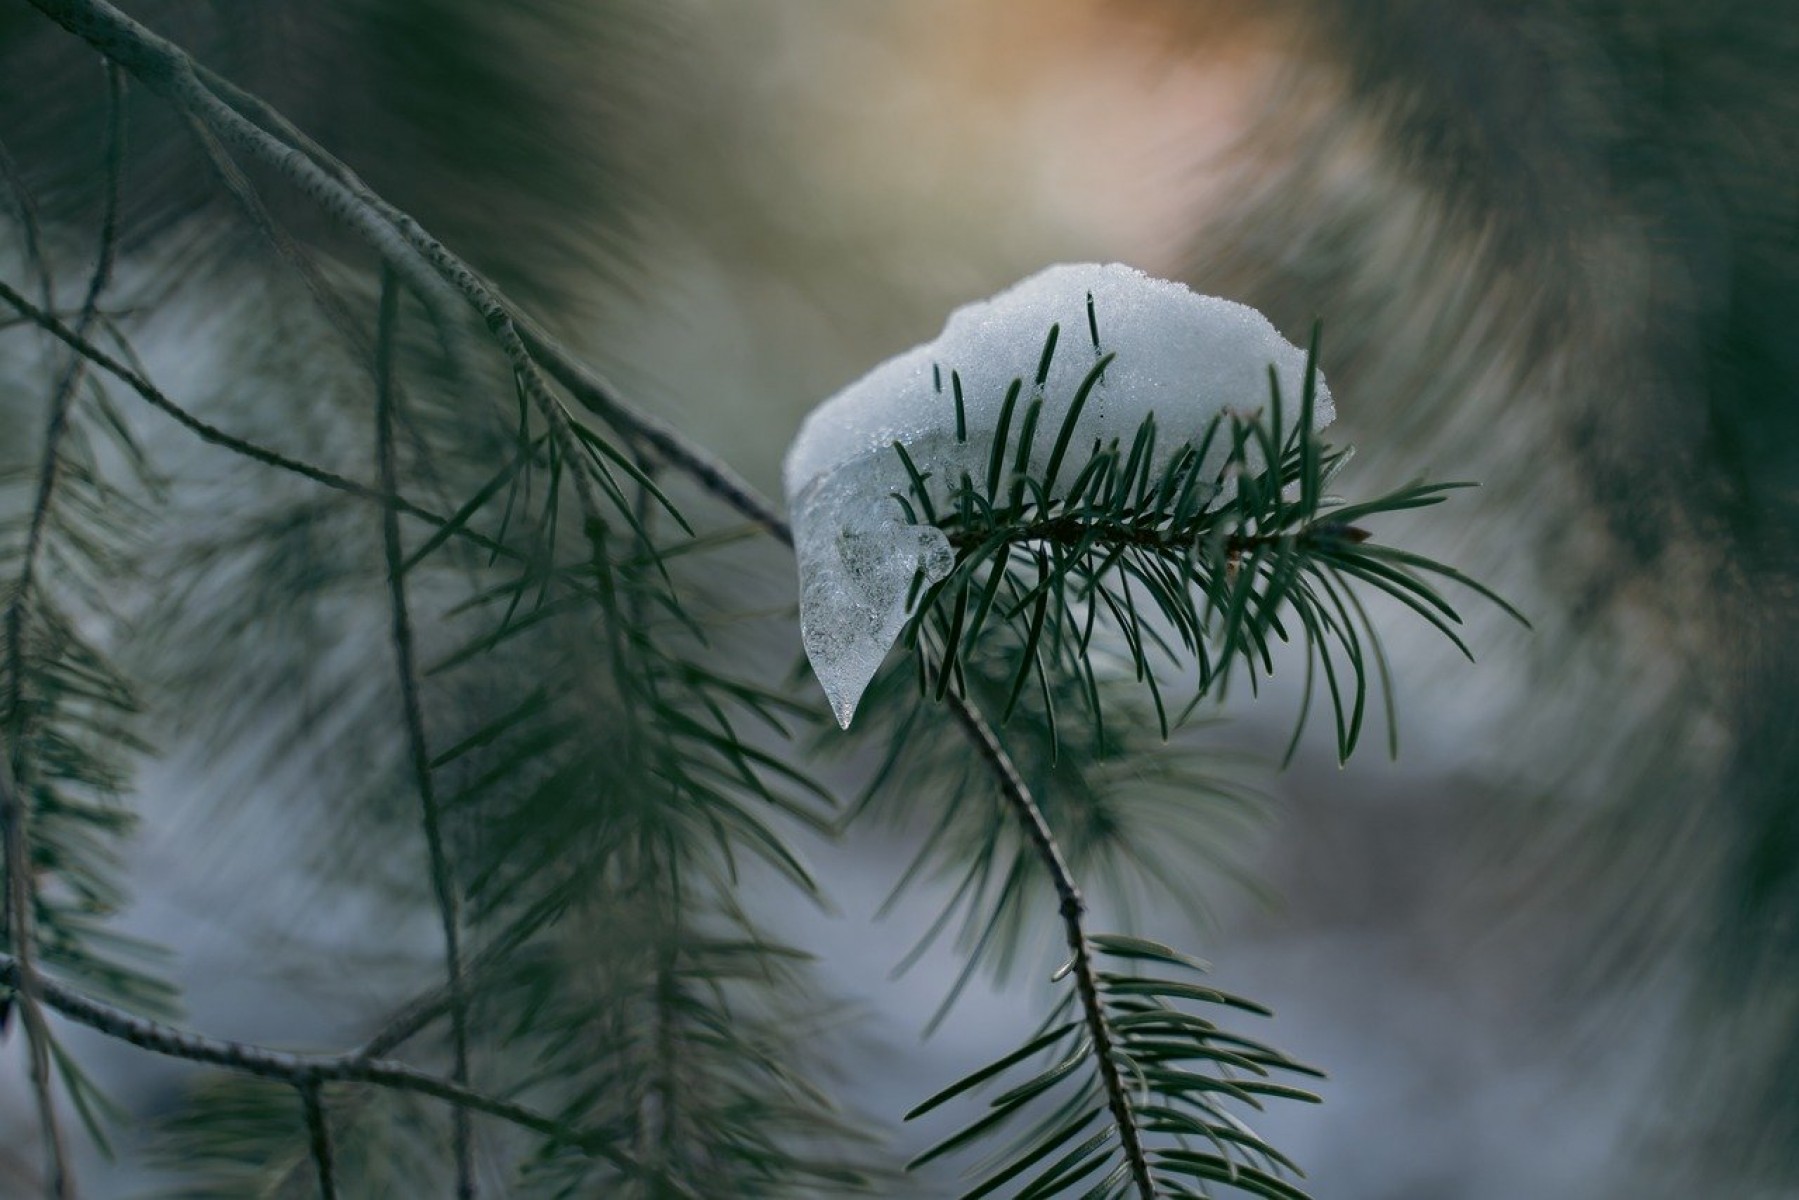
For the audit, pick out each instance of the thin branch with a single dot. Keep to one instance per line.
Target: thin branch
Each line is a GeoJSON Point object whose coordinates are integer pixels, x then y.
{"type": "Point", "coordinates": [24, 322]}
{"type": "Point", "coordinates": [439, 300]}
{"type": "Point", "coordinates": [443, 885]}
{"type": "Point", "coordinates": [337, 312]}
{"type": "Point", "coordinates": [1074, 530]}
{"type": "Point", "coordinates": [601, 398]}
{"type": "Point", "coordinates": [318, 1137]}
{"type": "Point", "coordinates": [580, 379]}
{"type": "Point", "coordinates": [328, 299]}
{"type": "Point", "coordinates": [29, 224]}
{"type": "Point", "coordinates": [213, 435]}
{"type": "Point", "coordinates": [167, 70]}
{"type": "Point", "coordinates": [666, 1075]}
{"type": "Point", "coordinates": [417, 1015]}
{"type": "Point", "coordinates": [1073, 908]}
{"type": "Point", "coordinates": [403, 244]}
{"type": "Point", "coordinates": [295, 1069]}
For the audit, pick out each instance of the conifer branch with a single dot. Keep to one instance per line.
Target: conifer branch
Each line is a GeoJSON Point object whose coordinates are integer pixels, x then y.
{"type": "Point", "coordinates": [19, 901]}
{"type": "Point", "coordinates": [295, 1069]}
{"type": "Point", "coordinates": [1072, 909]}
{"type": "Point", "coordinates": [601, 398]}
{"type": "Point", "coordinates": [579, 378]}
{"type": "Point", "coordinates": [402, 243]}
{"type": "Point", "coordinates": [1018, 797]}
{"type": "Point", "coordinates": [233, 121]}
{"type": "Point", "coordinates": [443, 883]}
{"type": "Point", "coordinates": [238, 186]}
{"type": "Point", "coordinates": [213, 435]}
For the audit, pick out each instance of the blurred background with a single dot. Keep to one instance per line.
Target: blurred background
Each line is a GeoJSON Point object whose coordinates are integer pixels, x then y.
{"type": "Point", "coordinates": [1552, 950]}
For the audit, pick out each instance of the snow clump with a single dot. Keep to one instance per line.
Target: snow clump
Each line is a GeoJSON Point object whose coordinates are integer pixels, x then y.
{"type": "Point", "coordinates": [1182, 356]}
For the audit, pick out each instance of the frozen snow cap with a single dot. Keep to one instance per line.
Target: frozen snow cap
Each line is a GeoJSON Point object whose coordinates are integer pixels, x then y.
{"type": "Point", "coordinates": [1182, 356]}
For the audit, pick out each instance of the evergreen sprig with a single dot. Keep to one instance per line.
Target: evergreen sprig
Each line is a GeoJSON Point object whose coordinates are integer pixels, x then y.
{"type": "Point", "coordinates": [1186, 1074]}
{"type": "Point", "coordinates": [1133, 816]}
{"type": "Point", "coordinates": [1198, 566]}
{"type": "Point", "coordinates": [1184, 560]}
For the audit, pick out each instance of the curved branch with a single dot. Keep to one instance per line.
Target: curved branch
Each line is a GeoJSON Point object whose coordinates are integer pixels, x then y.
{"type": "Point", "coordinates": [402, 243]}
{"type": "Point", "coordinates": [318, 1136]}
{"type": "Point", "coordinates": [443, 883]}
{"type": "Point", "coordinates": [297, 1070]}
{"type": "Point", "coordinates": [213, 435]}
{"type": "Point", "coordinates": [1073, 908]}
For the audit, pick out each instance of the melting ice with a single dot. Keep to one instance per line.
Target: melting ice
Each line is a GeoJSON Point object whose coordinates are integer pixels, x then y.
{"type": "Point", "coordinates": [1182, 356]}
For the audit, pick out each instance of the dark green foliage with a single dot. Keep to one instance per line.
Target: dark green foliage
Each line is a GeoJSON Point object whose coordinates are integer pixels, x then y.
{"type": "Point", "coordinates": [1187, 1075]}
{"type": "Point", "coordinates": [681, 1040]}
{"type": "Point", "coordinates": [238, 1137]}
{"type": "Point", "coordinates": [1142, 823]}
{"type": "Point", "coordinates": [1061, 593]}
{"type": "Point", "coordinates": [1197, 568]}
{"type": "Point", "coordinates": [79, 498]}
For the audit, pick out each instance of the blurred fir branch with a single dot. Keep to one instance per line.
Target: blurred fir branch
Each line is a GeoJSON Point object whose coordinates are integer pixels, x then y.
{"type": "Point", "coordinates": [702, 795]}
{"type": "Point", "coordinates": [66, 713]}
{"type": "Point", "coordinates": [1522, 222]}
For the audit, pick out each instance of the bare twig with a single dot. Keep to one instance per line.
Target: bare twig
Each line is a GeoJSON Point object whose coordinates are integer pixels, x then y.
{"type": "Point", "coordinates": [231, 176]}
{"type": "Point", "coordinates": [318, 1136]}
{"type": "Point", "coordinates": [295, 1069]}
{"type": "Point", "coordinates": [1073, 909]}
{"type": "Point", "coordinates": [443, 884]}
{"type": "Point", "coordinates": [215, 436]}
